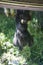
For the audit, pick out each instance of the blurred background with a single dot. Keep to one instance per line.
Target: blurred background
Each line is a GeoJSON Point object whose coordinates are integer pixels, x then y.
{"type": "Point", "coordinates": [9, 54]}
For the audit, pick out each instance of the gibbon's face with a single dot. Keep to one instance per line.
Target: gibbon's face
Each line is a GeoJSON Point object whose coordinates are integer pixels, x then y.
{"type": "Point", "coordinates": [23, 16]}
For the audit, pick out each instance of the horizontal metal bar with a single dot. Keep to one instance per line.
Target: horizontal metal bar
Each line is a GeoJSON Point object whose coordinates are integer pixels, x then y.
{"type": "Point", "coordinates": [22, 6]}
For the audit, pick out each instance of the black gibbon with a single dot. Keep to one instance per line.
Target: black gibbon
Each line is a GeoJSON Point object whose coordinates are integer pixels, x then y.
{"type": "Point", "coordinates": [22, 37]}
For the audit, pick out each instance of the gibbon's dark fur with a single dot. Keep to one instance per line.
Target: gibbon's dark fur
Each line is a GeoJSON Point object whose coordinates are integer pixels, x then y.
{"type": "Point", "coordinates": [22, 37]}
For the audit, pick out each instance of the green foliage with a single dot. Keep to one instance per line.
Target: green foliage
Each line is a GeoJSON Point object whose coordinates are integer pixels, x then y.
{"type": "Point", "coordinates": [8, 51]}
{"type": "Point", "coordinates": [26, 52]}
{"type": "Point", "coordinates": [29, 55]}
{"type": "Point", "coordinates": [37, 48]}
{"type": "Point", "coordinates": [7, 25]}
